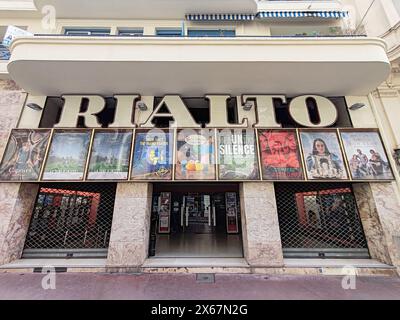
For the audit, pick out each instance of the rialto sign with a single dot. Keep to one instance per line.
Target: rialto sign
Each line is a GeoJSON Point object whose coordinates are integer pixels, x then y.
{"type": "Point", "coordinates": [253, 111]}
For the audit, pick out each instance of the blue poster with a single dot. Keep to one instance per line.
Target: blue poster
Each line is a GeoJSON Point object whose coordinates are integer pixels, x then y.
{"type": "Point", "coordinates": [152, 157]}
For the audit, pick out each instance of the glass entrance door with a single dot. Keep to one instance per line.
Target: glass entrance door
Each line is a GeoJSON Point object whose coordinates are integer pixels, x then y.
{"type": "Point", "coordinates": [196, 220]}
{"type": "Point", "coordinates": [198, 214]}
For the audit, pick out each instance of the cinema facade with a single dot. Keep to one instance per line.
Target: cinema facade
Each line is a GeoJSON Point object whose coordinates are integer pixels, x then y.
{"type": "Point", "coordinates": [179, 154]}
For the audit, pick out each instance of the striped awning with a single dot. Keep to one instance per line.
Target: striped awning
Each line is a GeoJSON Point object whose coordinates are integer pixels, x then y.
{"type": "Point", "coordinates": [220, 17]}
{"type": "Point", "coordinates": [303, 14]}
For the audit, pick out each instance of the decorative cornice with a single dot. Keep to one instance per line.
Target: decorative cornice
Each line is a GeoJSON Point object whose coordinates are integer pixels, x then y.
{"type": "Point", "coordinates": [386, 92]}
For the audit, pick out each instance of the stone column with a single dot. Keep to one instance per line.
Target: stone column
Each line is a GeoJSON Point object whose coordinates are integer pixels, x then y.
{"type": "Point", "coordinates": [380, 215]}
{"type": "Point", "coordinates": [16, 200]}
{"type": "Point", "coordinates": [261, 236]}
{"type": "Point", "coordinates": [130, 231]}
{"type": "Point", "coordinates": [16, 206]}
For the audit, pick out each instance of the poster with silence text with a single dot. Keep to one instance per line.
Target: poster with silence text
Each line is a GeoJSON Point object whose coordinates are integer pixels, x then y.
{"type": "Point", "coordinates": [237, 155]}
{"type": "Point", "coordinates": [366, 156]}
{"type": "Point", "coordinates": [322, 154]}
{"type": "Point", "coordinates": [153, 155]}
{"type": "Point", "coordinates": [24, 155]}
{"type": "Point", "coordinates": [67, 155]}
{"type": "Point", "coordinates": [280, 155]}
{"type": "Point", "coordinates": [110, 155]}
{"type": "Point", "coordinates": [195, 156]}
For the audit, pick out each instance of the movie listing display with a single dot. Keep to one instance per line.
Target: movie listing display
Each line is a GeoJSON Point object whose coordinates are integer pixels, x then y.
{"type": "Point", "coordinates": [280, 155]}
{"type": "Point", "coordinates": [322, 155]}
{"type": "Point", "coordinates": [195, 154]}
{"type": "Point", "coordinates": [67, 155]}
{"type": "Point", "coordinates": [110, 156]}
{"type": "Point", "coordinates": [232, 224]}
{"type": "Point", "coordinates": [237, 155]}
{"type": "Point", "coordinates": [24, 155]}
{"type": "Point", "coordinates": [366, 156]}
{"type": "Point", "coordinates": [152, 156]}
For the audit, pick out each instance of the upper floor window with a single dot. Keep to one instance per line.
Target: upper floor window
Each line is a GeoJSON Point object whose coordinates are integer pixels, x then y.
{"type": "Point", "coordinates": [211, 33]}
{"type": "Point", "coordinates": [130, 32]}
{"type": "Point", "coordinates": [169, 32]}
{"type": "Point", "coordinates": [87, 32]}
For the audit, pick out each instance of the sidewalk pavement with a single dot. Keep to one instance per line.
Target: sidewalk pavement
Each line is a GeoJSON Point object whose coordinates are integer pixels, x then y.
{"type": "Point", "coordinates": [90, 286]}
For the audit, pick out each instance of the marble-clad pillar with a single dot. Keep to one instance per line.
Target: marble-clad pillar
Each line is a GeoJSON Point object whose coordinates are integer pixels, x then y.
{"type": "Point", "coordinates": [11, 102]}
{"type": "Point", "coordinates": [16, 200]}
{"type": "Point", "coordinates": [260, 225]}
{"type": "Point", "coordinates": [380, 215]}
{"type": "Point", "coordinates": [16, 206]}
{"type": "Point", "coordinates": [130, 231]}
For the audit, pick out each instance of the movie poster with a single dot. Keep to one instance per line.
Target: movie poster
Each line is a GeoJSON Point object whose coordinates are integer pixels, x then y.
{"type": "Point", "coordinates": [366, 156]}
{"type": "Point", "coordinates": [24, 155]}
{"type": "Point", "coordinates": [237, 155]}
{"type": "Point", "coordinates": [67, 156]}
{"type": "Point", "coordinates": [280, 156]}
{"type": "Point", "coordinates": [195, 155]}
{"type": "Point", "coordinates": [322, 155]}
{"type": "Point", "coordinates": [110, 155]}
{"type": "Point", "coordinates": [152, 156]}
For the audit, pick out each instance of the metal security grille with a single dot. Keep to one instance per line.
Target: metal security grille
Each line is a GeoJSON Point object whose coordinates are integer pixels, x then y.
{"type": "Point", "coordinates": [71, 219]}
{"type": "Point", "coordinates": [319, 220]}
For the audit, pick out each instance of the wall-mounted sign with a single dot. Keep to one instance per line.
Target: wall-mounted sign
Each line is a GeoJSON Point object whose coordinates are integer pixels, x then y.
{"type": "Point", "coordinates": [366, 156]}
{"type": "Point", "coordinates": [323, 155]}
{"type": "Point", "coordinates": [195, 156]}
{"type": "Point", "coordinates": [280, 155]}
{"type": "Point", "coordinates": [67, 155]}
{"type": "Point", "coordinates": [224, 111]}
{"type": "Point", "coordinates": [152, 156]}
{"type": "Point", "coordinates": [237, 155]}
{"type": "Point", "coordinates": [110, 155]}
{"type": "Point", "coordinates": [232, 224]}
{"type": "Point", "coordinates": [164, 212]}
{"type": "Point", "coordinates": [24, 155]}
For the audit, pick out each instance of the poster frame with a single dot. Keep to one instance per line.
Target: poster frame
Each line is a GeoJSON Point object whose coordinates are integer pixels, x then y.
{"type": "Point", "coordinates": [369, 130]}
{"type": "Point", "coordinates": [257, 155]}
{"type": "Point", "coordinates": [95, 131]}
{"type": "Point", "coordinates": [44, 155]}
{"type": "Point", "coordinates": [338, 138]}
{"type": "Point", "coordinates": [299, 149]}
{"type": "Point", "coordinates": [55, 130]}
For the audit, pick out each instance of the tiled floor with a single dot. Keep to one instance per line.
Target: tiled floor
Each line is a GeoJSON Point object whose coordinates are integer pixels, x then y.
{"type": "Point", "coordinates": [199, 245]}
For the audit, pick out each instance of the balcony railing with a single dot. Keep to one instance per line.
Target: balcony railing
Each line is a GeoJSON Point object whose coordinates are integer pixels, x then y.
{"type": "Point", "coordinates": [303, 35]}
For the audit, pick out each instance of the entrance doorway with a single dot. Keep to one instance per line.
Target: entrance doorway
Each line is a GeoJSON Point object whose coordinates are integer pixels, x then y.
{"type": "Point", "coordinates": [196, 220]}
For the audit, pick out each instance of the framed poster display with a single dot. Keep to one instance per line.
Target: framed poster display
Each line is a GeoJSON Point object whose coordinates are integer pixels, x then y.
{"type": "Point", "coordinates": [110, 155]}
{"type": "Point", "coordinates": [280, 155]}
{"type": "Point", "coordinates": [24, 155]}
{"type": "Point", "coordinates": [237, 155]}
{"type": "Point", "coordinates": [67, 155]}
{"type": "Point", "coordinates": [164, 212]}
{"type": "Point", "coordinates": [152, 155]}
{"type": "Point", "coordinates": [232, 225]}
{"type": "Point", "coordinates": [322, 155]}
{"type": "Point", "coordinates": [195, 155]}
{"type": "Point", "coordinates": [366, 155]}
